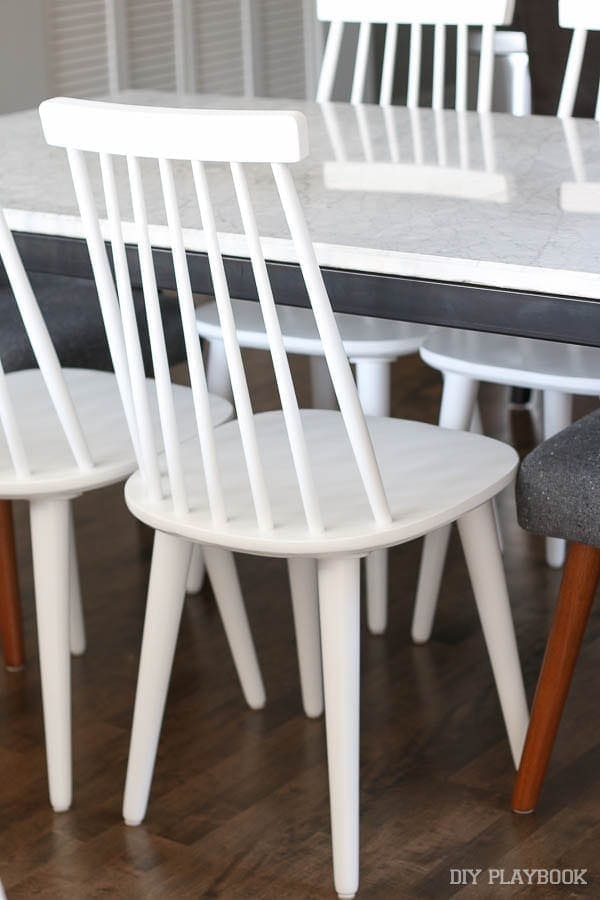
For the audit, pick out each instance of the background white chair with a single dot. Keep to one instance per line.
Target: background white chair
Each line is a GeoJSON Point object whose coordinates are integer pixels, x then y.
{"type": "Point", "coordinates": [465, 359]}
{"type": "Point", "coordinates": [64, 432]}
{"type": "Point", "coordinates": [371, 344]}
{"type": "Point", "coordinates": [323, 488]}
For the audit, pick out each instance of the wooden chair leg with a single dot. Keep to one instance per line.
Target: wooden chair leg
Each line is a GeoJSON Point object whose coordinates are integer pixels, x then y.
{"type": "Point", "coordinates": [10, 609]}
{"type": "Point", "coordinates": [579, 583]}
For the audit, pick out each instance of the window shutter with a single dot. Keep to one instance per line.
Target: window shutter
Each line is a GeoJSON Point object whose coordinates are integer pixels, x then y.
{"type": "Point", "coordinates": [280, 46]}
{"type": "Point", "coordinates": [150, 57]}
{"type": "Point", "coordinates": [217, 46]}
{"type": "Point", "coordinates": [224, 46]}
{"type": "Point", "coordinates": [77, 53]}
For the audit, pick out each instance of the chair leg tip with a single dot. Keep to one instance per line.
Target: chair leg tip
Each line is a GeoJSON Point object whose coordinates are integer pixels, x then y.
{"type": "Point", "coordinates": [15, 668]}
{"type": "Point", "coordinates": [61, 807]}
{"type": "Point", "coordinates": [523, 812]}
{"type": "Point", "coordinates": [420, 639]}
{"type": "Point", "coordinates": [133, 823]}
{"type": "Point", "coordinates": [256, 700]}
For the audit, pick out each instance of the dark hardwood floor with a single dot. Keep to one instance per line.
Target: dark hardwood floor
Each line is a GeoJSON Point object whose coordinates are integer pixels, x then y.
{"type": "Point", "coordinates": [239, 805]}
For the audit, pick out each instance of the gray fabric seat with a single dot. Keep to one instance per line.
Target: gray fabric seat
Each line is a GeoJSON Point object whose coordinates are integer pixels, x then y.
{"type": "Point", "coordinates": [72, 313]}
{"type": "Point", "coordinates": [558, 486]}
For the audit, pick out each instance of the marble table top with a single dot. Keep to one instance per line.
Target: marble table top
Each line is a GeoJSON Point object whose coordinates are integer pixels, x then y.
{"type": "Point", "coordinates": [490, 200]}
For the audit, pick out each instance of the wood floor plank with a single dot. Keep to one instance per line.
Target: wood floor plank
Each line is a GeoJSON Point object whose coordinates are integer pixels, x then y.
{"type": "Point", "coordinates": [239, 805]}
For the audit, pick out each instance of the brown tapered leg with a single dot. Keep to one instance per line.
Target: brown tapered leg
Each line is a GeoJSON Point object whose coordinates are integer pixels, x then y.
{"type": "Point", "coordinates": [579, 582]}
{"type": "Point", "coordinates": [10, 609]}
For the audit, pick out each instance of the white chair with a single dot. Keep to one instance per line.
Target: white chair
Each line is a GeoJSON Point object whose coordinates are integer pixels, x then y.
{"type": "Point", "coordinates": [64, 432]}
{"type": "Point", "coordinates": [372, 344]}
{"type": "Point", "coordinates": [320, 488]}
{"type": "Point", "coordinates": [582, 17]}
{"type": "Point", "coordinates": [465, 359]}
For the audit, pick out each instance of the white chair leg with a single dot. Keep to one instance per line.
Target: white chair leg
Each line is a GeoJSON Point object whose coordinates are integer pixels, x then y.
{"type": "Point", "coordinates": [221, 569]}
{"type": "Point", "coordinates": [166, 592]}
{"type": "Point", "coordinates": [484, 561]}
{"type": "Point", "coordinates": [305, 604]}
{"type": "Point", "coordinates": [339, 605]}
{"type": "Point", "coordinates": [558, 414]}
{"type": "Point", "coordinates": [556, 550]}
{"type": "Point", "coordinates": [376, 567]}
{"type": "Point", "coordinates": [321, 386]}
{"type": "Point", "coordinates": [195, 578]}
{"type": "Point", "coordinates": [217, 371]}
{"type": "Point", "coordinates": [77, 624]}
{"type": "Point", "coordinates": [49, 520]}
{"type": "Point", "coordinates": [459, 398]}
{"type": "Point", "coordinates": [477, 428]}
{"type": "Point", "coordinates": [476, 423]}
{"type": "Point", "coordinates": [373, 380]}
{"type": "Point", "coordinates": [433, 556]}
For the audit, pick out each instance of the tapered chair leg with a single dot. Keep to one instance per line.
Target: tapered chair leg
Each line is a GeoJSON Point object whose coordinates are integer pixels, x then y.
{"type": "Point", "coordinates": [484, 561]}
{"type": "Point", "coordinates": [376, 566]}
{"type": "Point", "coordinates": [305, 604]}
{"type": "Point", "coordinates": [558, 414]}
{"type": "Point", "coordinates": [166, 592]}
{"type": "Point", "coordinates": [339, 605]}
{"type": "Point", "coordinates": [217, 371]}
{"type": "Point", "coordinates": [321, 386]}
{"type": "Point", "coordinates": [374, 384]}
{"type": "Point", "coordinates": [195, 579]}
{"type": "Point", "coordinates": [11, 629]}
{"type": "Point", "coordinates": [51, 570]}
{"type": "Point", "coordinates": [579, 583]}
{"type": "Point", "coordinates": [458, 407]}
{"type": "Point", "coordinates": [433, 557]}
{"type": "Point", "coordinates": [77, 623]}
{"type": "Point", "coordinates": [477, 428]}
{"type": "Point", "coordinates": [221, 569]}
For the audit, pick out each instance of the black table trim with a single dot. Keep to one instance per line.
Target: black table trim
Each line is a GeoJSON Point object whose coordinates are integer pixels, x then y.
{"type": "Point", "coordinates": [527, 314]}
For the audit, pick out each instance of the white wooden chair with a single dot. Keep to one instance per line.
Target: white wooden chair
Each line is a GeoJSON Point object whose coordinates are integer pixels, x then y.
{"type": "Point", "coordinates": [320, 488]}
{"type": "Point", "coordinates": [468, 358]}
{"type": "Point", "coordinates": [64, 432]}
{"type": "Point", "coordinates": [372, 344]}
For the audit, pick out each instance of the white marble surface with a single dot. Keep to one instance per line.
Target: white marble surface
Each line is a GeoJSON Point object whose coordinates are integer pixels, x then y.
{"type": "Point", "coordinates": [496, 200]}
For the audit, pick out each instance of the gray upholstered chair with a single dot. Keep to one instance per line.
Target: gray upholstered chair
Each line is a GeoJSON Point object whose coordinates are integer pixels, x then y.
{"type": "Point", "coordinates": [558, 495]}
{"type": "Point", "coordinates": [72, 313]}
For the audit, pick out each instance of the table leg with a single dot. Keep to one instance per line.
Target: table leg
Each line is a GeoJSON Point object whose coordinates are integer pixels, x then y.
{"type": "Point", "coordinates": [579, 582]}
{"type": "Point", "coordinates": [10, 609]}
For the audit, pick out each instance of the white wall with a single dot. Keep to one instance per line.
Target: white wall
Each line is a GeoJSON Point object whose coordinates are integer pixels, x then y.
{"type": "Point", "coordinates": [23, 62]}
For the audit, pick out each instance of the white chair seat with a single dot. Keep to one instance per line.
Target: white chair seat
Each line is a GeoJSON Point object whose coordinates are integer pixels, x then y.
{"type": "Point", "coordinates": [527, 363]}
{"type": "Point", "coordinates": [362, 336]}
{"type": "Point", "coordinates": [98, 404]}
{"type": "Point", "coordinates": [431, 475]}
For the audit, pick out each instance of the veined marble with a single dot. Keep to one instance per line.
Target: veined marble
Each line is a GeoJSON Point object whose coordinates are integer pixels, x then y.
{"type": "Point", "coordinates": [491, 200]}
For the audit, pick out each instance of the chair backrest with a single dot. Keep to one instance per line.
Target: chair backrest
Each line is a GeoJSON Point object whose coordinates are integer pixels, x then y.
{"type": "Point", "coordinates": [582, 16]}
{"type": "Point", "coordinates": [414, 13]}
{"type": "Point", "coordinates": [197, 137]}
{"type": "Point", "coordinates": [47, 361]}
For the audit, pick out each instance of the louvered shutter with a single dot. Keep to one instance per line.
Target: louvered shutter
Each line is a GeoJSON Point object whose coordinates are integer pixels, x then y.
{"type": "Point", "coordinates": [280, 46]}
{"type": "Point", "coordinates": [221, 46]}
{"type": "Point", "coordinates": [218, 46]}
{"type": "Point", "coordinates": [150, 44]}
{"type": "Point", "coordinates": [77, 51]}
